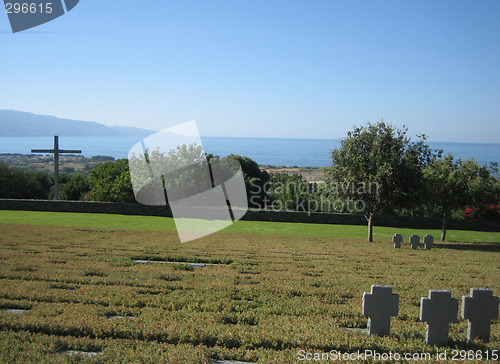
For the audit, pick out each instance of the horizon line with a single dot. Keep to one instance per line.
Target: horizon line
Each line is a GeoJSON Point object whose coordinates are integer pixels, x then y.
{"type": "Point", "coordinates": [234, 137]}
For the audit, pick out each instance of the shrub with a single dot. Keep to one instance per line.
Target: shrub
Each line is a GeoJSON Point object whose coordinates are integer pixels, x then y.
{"type": "Point", "coordinates": [484, 212]}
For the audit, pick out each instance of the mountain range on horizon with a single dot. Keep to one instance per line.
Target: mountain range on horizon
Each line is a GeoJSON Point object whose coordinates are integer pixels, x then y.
{"type": "Point", "coordinates": [15, 123]}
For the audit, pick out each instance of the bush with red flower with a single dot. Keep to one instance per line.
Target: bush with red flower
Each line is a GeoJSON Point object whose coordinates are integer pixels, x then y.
{"type": "Point", "coordinates": [483, 211]}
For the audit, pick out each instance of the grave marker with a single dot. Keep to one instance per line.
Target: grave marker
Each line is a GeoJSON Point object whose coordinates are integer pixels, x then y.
{"type": "Point", "coordinates": [414, 240]}
{"type": "Point", "coordinates": [16, 311]}
{"type": "Point", "coordinates": [165, 262]}
{"type": "Point", "coordinates": [480, 308]}
{"type": "Point", "coordinates": [397, 239]}
{"type": "Point", "coordinates": [117, 317]}
{"type": "Point", "coordinates": [84, 354]}
{"type": "Point", "coordinates": [56, 152]}
{"type": "Point", "coordinates": [379, 306]}
{"type": "Point", "coordinates": [438, 311]}
{"type": "Point", "coordinates": [428, 241]}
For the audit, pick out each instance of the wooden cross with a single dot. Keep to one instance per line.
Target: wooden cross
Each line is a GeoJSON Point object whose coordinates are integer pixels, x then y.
{"type": "Point", "coordinates": [56, 152]}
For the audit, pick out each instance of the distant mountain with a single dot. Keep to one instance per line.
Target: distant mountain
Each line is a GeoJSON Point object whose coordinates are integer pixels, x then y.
{"type": "Point", "coordinates": [19, 123]}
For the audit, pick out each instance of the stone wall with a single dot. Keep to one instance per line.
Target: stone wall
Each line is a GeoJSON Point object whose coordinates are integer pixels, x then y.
{"type": "Point", "coordinates": [84, 206]}
{"type": "Point", "coordinates": [251, 215]}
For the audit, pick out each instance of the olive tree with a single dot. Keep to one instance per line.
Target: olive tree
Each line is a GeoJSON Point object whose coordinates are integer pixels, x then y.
{"type": "Point", "coordinates": [454, 185]}
{"type": "Point", "coordinates": [380, 168]}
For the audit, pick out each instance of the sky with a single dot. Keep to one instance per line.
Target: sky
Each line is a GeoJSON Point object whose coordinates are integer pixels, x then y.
{"type": "Point", "coordinates": [248, 68]}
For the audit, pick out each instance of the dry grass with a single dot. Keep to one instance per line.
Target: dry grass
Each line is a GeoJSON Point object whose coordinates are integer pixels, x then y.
{"type": "Point", "coordinates": [278, 294]}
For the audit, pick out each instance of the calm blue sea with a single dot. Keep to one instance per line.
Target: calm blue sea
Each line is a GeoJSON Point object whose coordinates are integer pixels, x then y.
{"type": "Point", "coordinates": [272, 151]}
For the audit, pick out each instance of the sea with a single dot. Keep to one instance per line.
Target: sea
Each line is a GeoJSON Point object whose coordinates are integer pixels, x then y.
{"type": "Point", "coordinates": [265, 151]}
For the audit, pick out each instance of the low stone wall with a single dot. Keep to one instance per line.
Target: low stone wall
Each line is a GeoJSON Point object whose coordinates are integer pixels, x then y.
{"type": "Point", "coordinates": [378, 220]}
{"type": "Point", "coordinates": [251, 215]}
{"type": "Point", "coordinates": [84, 206]}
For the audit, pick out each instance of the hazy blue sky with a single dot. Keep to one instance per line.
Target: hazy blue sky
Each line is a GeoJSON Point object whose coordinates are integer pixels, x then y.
{"type": "Point", "coordinates": [309, 69]}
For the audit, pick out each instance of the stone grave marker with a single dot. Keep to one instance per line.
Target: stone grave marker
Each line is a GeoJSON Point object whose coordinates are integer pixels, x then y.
{"type": "Point", "coordinates": [117, 317]}
{"type": "Point", "coordinates": [397, 239]}
{"type": "Point", "coordinates": [164, 262]}
{"type": "Point", "coordinates": [438, 310]}
{"type": "Point", "coordinates": [428, 241]}
{"type": "Point", "coordinates": [379, 306]}
{"type": "Point", "coordinates": [480, 308]}
{"type": "Point", "coordinates": [197, 264]}
{"type": "Point", "coordinates": [85, 354]}
{"type": "Point", "coordinates": [16, 311]}
{"type": "Point", "coordinates": [414, 240]}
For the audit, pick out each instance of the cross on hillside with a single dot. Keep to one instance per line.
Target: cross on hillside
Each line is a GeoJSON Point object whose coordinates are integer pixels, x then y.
{"type": "Point", "coordinates": [56, 152]}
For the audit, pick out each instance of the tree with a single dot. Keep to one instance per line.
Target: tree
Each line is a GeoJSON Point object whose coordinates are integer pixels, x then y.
{"type": "Point", "coordinates": [453, 185]}
{"type": "Point", "coordinates": [75, 188]}
{"type": "Point", "coordinates": [186, 171]}
{"type": "Point", "coordinates": [178, 173]}
{"type": "Point", "coordinates": [110, 181]}
{"type": "Point", "coordinates": [292, 192]}
{"type": "Point", "coordinates": [379, 168]}
{"type": "Point", "coordinates": [255, 180]}
{"type": "Point", "coordinates": [16, 183]}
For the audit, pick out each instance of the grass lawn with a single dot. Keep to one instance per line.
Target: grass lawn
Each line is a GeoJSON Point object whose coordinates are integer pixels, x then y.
{"type": "Point", "coordinates": [111, 221]}
{"type": "Point", "coordinates": [272, 289]}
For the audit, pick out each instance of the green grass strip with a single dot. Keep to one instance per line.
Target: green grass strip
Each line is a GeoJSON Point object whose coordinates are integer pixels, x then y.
{"type": "Point", "coordinates": [113, 221]}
